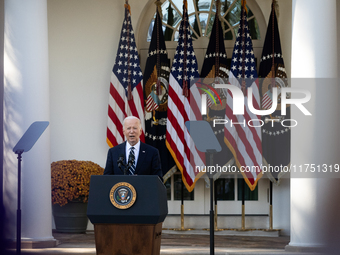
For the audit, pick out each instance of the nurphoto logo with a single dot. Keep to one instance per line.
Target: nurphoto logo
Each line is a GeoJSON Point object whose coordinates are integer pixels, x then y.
{"type": "Point", "coordinates": [239, 101]}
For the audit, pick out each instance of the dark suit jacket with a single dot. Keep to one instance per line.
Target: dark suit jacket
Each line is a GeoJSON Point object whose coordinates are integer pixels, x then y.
{"type": "Point", "coordinates": [148, 162]}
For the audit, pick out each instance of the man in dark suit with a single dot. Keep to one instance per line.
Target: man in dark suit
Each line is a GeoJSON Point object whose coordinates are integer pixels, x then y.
{"type": "Point", "coordinates": [144, 159]}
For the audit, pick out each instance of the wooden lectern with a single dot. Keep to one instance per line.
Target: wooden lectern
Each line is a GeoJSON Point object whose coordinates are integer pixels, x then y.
{"type": "Point", "coordinates": [127, 213]}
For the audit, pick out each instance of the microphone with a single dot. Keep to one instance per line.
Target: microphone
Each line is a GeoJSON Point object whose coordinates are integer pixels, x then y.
{"type": "Point", "coordinates": [129, 164]}
{"type": "Point", "coordinates": [120, 161]}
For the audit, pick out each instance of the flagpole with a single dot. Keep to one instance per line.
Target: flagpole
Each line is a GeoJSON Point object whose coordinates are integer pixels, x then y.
{"type": "Point", "coordinates": [185, 35]}
{"type": "Point", "coordinates": [217, 50]}
{"type": "Point", "coordinates": [243, 85]}
{"type": "Point", "coordinates": [212, 214]}
{"type": "Point", "coordinates": [244, 89]}
{"type": "Point", "coordinates": [273, 37]}
{"type": "Point", "coordinates": [185, 93]}
{"type": "Point", "coordinates": [243, 218]}
{"type": "Point", "coordinates": [272, 85]}
{"type": "Point", "coordinates": [243, 207]}
{"type": "Point", "coordinates": [243, 15]}
{"type": "Point", "coordinates": [271, 229]}
{"type": "Point", "coordinates": [158, 84]}
{"type": "Point", "coordinates": [271, 205]}
{"type": "Point", "coordinates": [129, 96]}
{"type": "Point", "coordinates": [217, 68]}
{"type": "Point", "coordinates": [215, 192]}
{"type": "Point", "coordinates": [182, 211]}
{"type": "Point", "coordinates": [182, 205]}
{"type": "Point", "coordinates": [212, 234]}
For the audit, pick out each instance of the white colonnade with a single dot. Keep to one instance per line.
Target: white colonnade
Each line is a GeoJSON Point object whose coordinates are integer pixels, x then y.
{"type": "Point", "coordinates": [26, 99]}
{"type": "Point", "coordinates": [314, 68]}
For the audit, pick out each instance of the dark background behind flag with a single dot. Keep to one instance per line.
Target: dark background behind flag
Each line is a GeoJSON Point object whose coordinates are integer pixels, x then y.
{"type": "Point", "coordinates": [156, 80]}
{"type": "Point", "coordinates": [275, 140]}
{"type": "Point", "coordinates": [168, 31]}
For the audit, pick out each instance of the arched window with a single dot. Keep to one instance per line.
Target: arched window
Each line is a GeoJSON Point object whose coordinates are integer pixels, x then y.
{"type": "Point", "coordinates": [201, 15]}
{"type": "Point", "coordinates": [201, 18]}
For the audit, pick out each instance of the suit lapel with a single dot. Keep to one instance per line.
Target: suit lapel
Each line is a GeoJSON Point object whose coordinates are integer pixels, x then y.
{"type": "Point", "coordinates": [121, 151]}
{"type": "Point", "coordinates": [141, 156]}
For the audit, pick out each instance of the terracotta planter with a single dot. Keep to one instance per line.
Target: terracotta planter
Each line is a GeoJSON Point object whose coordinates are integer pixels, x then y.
{"type": "Point", "coordinates": [70, 218]}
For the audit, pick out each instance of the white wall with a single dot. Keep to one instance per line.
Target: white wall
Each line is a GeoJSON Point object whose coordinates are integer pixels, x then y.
{"type": "Point", "coordinates": [281, 206]}
{"type": "Point", "coordinates": [83, 41]}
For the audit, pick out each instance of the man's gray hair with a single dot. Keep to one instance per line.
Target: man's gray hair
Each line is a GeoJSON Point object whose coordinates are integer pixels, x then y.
{"type": "Point", "coordinates": [131, 118]}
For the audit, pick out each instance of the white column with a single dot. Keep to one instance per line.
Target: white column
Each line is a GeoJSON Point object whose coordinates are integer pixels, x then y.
{"type": "Point", "coordinates": [26, 99]}
{"type": "Point", "coordinates": [314, 68]}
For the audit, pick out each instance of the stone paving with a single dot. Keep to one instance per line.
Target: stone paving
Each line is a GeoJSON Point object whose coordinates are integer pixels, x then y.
{"type": "Point", "coordinates": [191, 240]}
{"type": "Point", "coordinates": [181, 243]}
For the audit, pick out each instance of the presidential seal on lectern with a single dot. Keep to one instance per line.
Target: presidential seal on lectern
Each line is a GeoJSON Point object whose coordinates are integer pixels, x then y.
{"type": "Point", "coordinates": [123, 195]}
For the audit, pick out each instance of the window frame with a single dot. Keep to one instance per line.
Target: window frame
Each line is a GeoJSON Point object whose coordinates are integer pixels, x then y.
{"type": "Point", "coordinates": [201, 44]}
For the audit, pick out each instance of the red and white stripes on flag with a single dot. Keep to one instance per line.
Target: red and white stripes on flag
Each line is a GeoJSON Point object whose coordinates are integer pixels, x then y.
{"type": "Point", "coordinates": [178, 139]}
{"type": "Point", "coordinates": [120, 108]}
{"type": "Point", "coordinates": [243, 140]}
{"type": "Point", "coordinates": [126, 87]}
{"type": "Point", "coordinates": [243, 132]}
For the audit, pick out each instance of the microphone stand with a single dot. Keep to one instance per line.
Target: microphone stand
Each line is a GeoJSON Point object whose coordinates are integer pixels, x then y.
{"type": "Point", "coordinates": [120, 164]}
{"type": "Point", "coordinates": [126, 166]}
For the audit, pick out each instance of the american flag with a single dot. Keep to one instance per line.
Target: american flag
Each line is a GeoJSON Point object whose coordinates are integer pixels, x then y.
{"type": "Point", "coordinates": [243, 140]}
{"type": "Point", "coordinates": [184, 104]}
{"type": "Point", "coordinates": [126, 87]}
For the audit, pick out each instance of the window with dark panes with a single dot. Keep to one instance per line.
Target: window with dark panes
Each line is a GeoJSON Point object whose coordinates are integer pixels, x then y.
{"type": "Point", "coordinates": [201, 17]}
{"type": "Point", "coordinates": [248, 194]}
{"type": "Point", "coordinates": [178, 189]}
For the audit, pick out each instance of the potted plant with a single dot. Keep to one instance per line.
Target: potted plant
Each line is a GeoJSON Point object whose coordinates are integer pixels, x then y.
{"type": "Point", "coordinates": [70, 184]}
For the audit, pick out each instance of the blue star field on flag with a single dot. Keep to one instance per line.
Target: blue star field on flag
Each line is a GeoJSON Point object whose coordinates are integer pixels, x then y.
{"type": "Point", "coordinates": [184, 66]}
{"type": "Point", "coordinates": [243, 59]}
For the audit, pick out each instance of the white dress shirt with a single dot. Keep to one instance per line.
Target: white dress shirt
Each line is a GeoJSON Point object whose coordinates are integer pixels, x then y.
{"type": "Point", "coordinates": [127, 151]}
